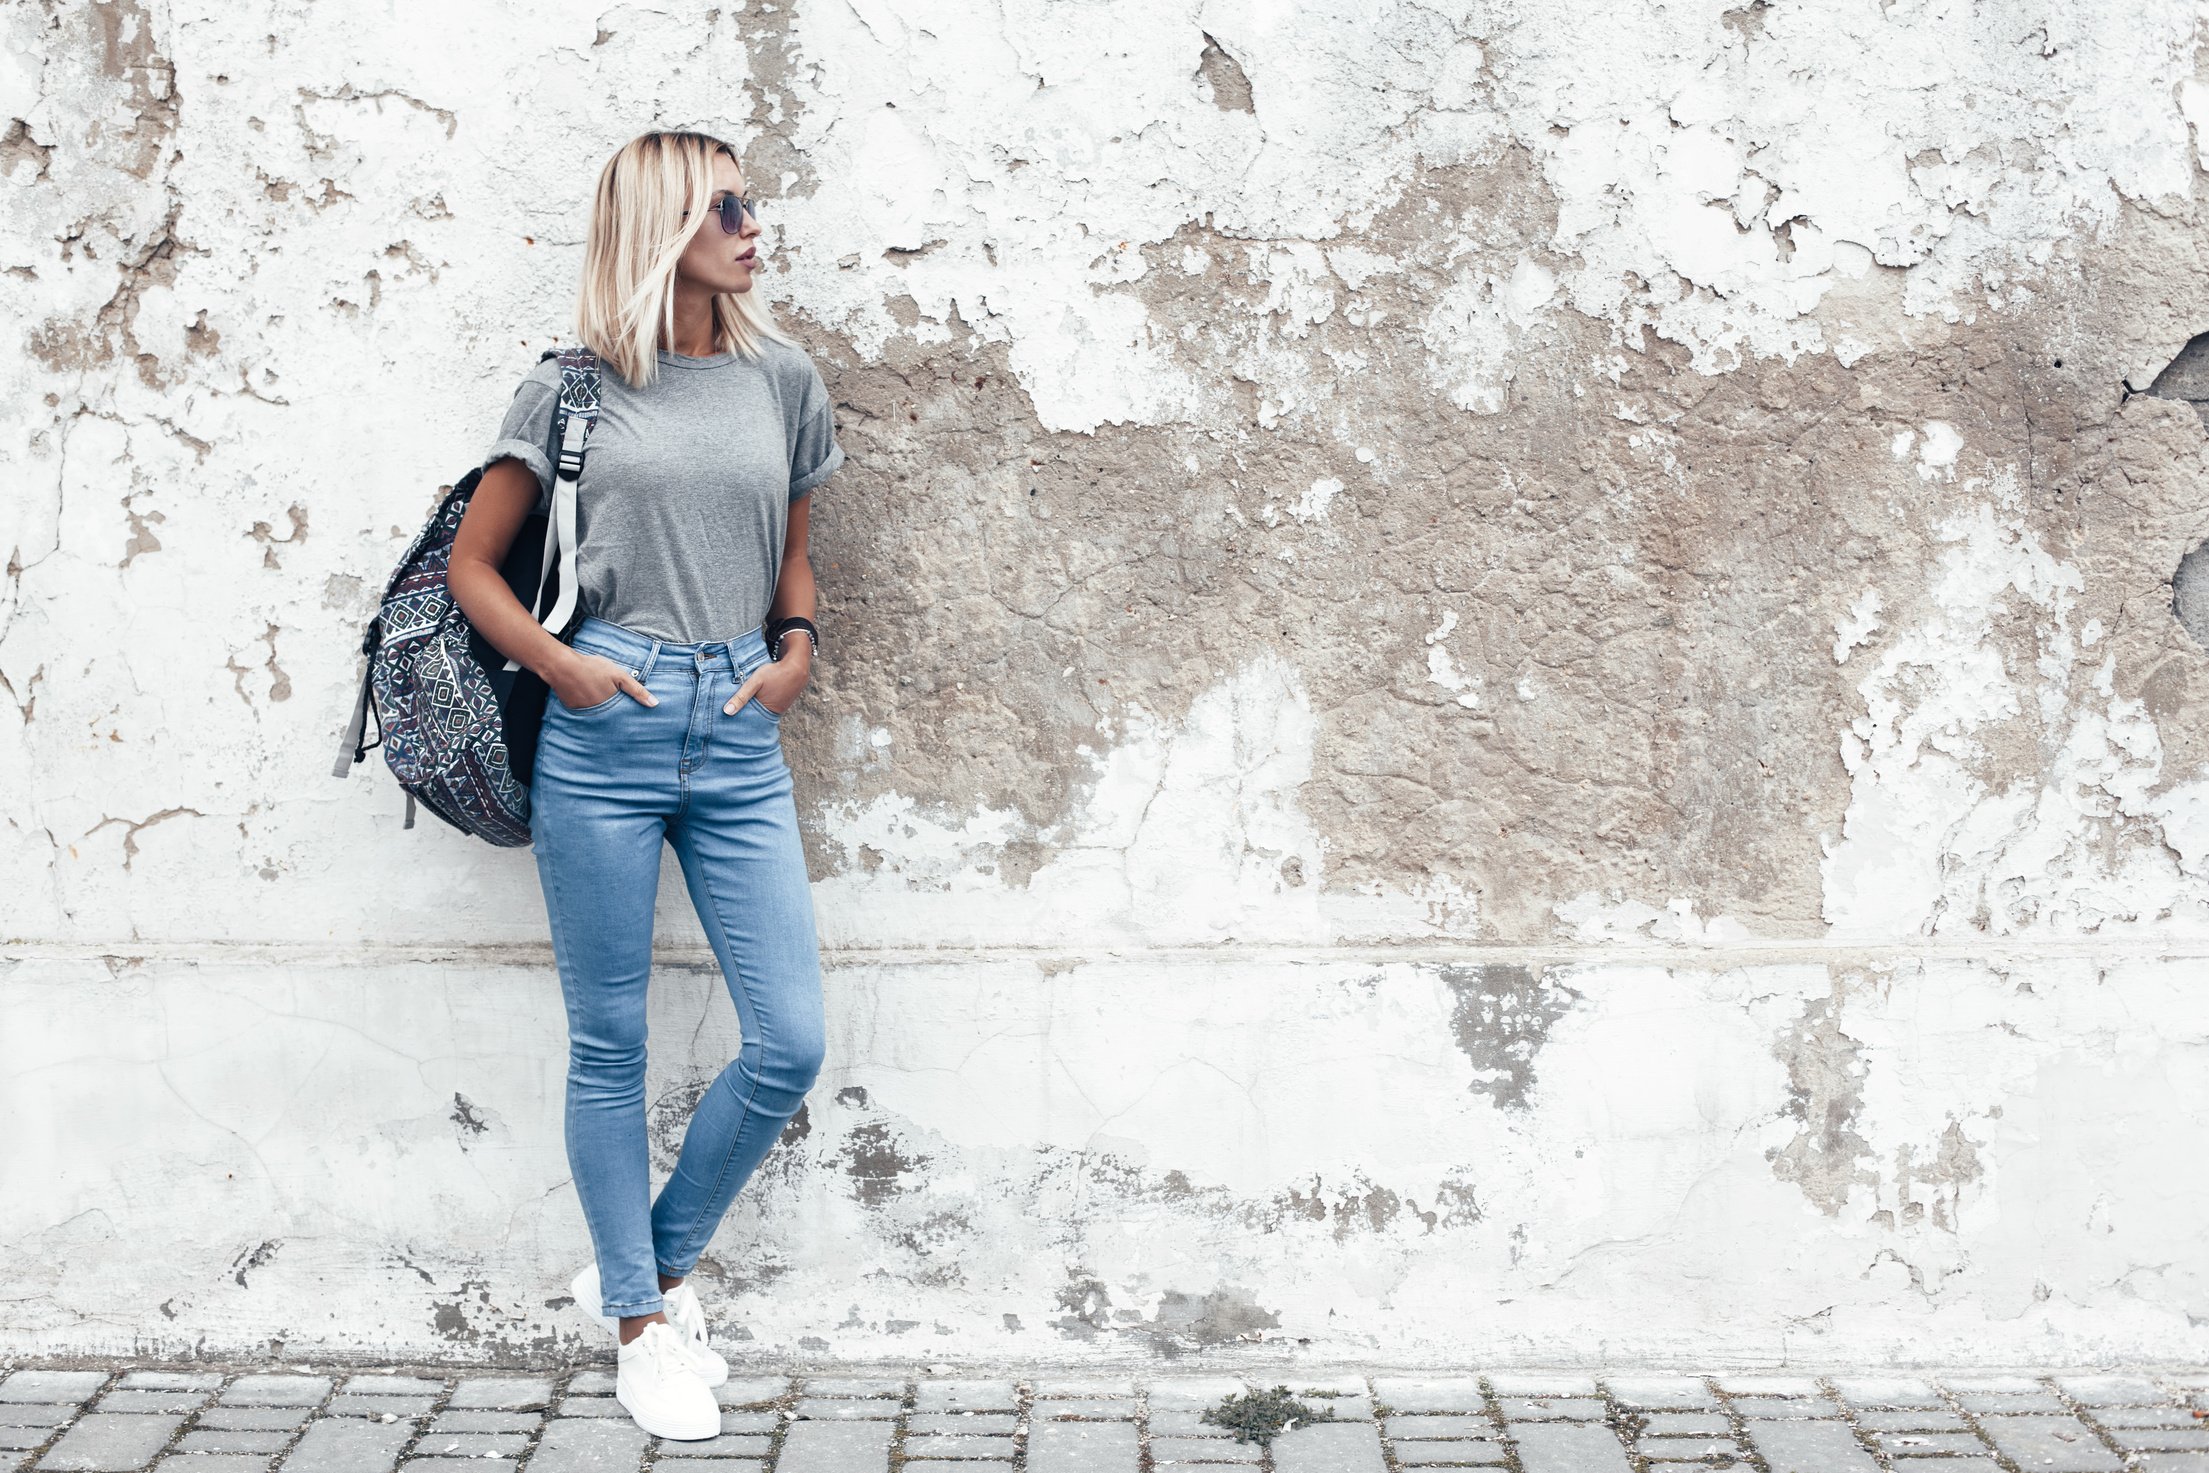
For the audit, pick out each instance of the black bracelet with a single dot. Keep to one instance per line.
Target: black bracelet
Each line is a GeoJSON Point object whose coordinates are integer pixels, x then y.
{"type": "Point", "coordinates": [781, 627]}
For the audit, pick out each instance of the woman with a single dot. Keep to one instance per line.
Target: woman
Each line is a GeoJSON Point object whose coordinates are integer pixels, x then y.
{"type": "Point", "coordinates": [664, 724]}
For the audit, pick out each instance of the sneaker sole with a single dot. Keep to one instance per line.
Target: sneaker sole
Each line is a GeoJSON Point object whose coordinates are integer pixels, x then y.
{"type": "Point", "coordinates": [674, 1429]}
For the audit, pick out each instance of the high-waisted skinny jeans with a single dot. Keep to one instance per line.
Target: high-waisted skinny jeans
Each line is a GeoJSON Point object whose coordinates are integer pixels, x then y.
{"type": "Point", "coordinates": [612, 783]}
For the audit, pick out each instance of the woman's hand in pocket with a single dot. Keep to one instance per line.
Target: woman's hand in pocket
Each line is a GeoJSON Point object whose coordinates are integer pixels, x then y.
{"type": "Point", "coordinates": [592, 680]}
{"type": "Point", "coordinates": [775, 685]}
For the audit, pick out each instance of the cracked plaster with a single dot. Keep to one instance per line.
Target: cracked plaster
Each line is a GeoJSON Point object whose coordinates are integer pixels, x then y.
{"type": "Point", "coordinates": [1504, 677]}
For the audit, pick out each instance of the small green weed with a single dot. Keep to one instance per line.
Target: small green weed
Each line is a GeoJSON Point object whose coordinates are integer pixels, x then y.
{"type": "Point", "coordinates": [1262, 1416]}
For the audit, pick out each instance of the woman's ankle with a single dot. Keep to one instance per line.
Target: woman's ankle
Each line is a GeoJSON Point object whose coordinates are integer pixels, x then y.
{"type": "Point", "coordinates": [632, 1325]}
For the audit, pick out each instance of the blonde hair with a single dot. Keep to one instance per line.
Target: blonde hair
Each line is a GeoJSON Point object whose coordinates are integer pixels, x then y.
{"type": "Point", "coordinates": [637, 234]}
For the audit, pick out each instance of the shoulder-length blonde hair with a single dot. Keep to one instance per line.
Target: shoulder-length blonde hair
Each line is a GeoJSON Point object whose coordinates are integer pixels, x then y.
{"type": "Point", "coordinates": [637, 234]}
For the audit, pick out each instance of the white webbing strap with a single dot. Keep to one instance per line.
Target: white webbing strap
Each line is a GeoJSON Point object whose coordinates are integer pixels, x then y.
{"type": "Point", "coordinates": [575, 433]}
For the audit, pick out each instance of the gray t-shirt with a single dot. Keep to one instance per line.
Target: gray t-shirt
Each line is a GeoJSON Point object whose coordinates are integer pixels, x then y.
{"type": "Point", "coordinates": [685, 495]}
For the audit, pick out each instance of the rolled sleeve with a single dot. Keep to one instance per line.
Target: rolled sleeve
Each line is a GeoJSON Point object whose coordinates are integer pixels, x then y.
{"type": "Point", "coordinates": [814, 453]}
{"type": "Point", "coordinates": [819, 462]}
{"type": "Point", "coordinates": [525, 432]}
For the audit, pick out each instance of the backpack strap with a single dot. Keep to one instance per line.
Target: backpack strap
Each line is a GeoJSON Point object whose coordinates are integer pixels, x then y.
{"type": "Point", "coordinates": [573, 418]}
{"type": "Point", "coordinates": [351, 747]}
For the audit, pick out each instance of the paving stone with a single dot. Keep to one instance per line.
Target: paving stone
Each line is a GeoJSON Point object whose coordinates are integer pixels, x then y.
{"type": "Point", "coordinates": [1929, 1444]}
{"type": "Point", "coordinates": [2162, 1439]}
{"type": "Point", "coordinates": [383, 1383]}
{"type": "Point", "coordinates": [214, 1463]}
{"type": "Point", "coordinates": [1949, 1465]}
{"type": "Point", "coordinates": [1519, 1383]}
{"type": "Point", "coordinates": [347, 1445]}
{"type": "Point", "coordinates": [1048, 1388]}
{"type": "Point", "coordinates": [1083, 1447]}
{"type": "Point", "coordinates": [35, 1413]}
{"type": "Point", "coordinates": [276, 1390]}
{"type": "Point", "coordinates": [1175, 1422]}
{"type": "Point", "coordinates": [746, 1391]}
{"type": "Point", "coordinates": [254, 1419]}
{"type": "Point", "coordinates": [760, 1424]}
{"type": "Point", "coordinates": [1911, 1419]}
{"type": "Point", "coordinates": [1458, 1394]}
{"type": "Point", "coordinates": [958, 1424]}
{"type": "Point", "coordinates": [1426, 1429]}
{"type": "Point", "coordinates": [589, 1445]}
{"type": "Point", "coordinates": [957, 1447]}
{"type": "Point", "coordinates": [1672, 1393]}
{"type": "Point", "coordinates": [1810, 1447]}
{"type": "Point", "coordinates": [2111, 1391]}
{"type": "Point", "coordinates": [2146, 1417]}
{"type": "Point", "coordinates": [457, 1465]}
{"type": "Point", "coordinates": [51, 1386]}
{"type": "Point", "coordinates": [229, 1440]}
{"type": "Point", "coordinates": [502, 1393]}
{"type": "Point", "coordinates": [1888, 1391]}
{"type": "Point", "coordinates": [1185, 1452]}
{"type": "Point", "coordinates": [17, 1439]}
{"type": "Point", "coordinates": [1770, 1386]}
{"type": "Point", "coordinates": [485, 1422]}
{"type": "Point", "coordinates": [2050, 1444]}
{"type": "Point", "coordinates": [854, 1386]}
{"type": "Point", "coordinates": [2012, 1385]}
{"type": "Point", "coordinates": [1172, 1451]}
{"type": "Point", "coordinates": [1552, 1408]}
{"type": "Point", "coordinates": [936, 1465]}
{"type": "Point", "coordinates": [838, 1447]}
{"type": "Point", "coordinates": [727, 1445]}
{"type": "Point", "coordinates": [171, 1380]}
{"type": "Point", "coordinates": [1688, 1449]}
{"type": "Point", "coordinates": [1327, 1447]}
{"type": "Point", "coordinates": [345, 1404]}
{"type": "Point", "coordinates": [153, 1401]}
{"type": "Point", "coordinates": [1785, 1407]}
{"type": "Point", "coordinates": [834, 1409]}
{"type": "Point", "coordinates": [727, 1462]}
{"type": "Point", "coordinates": [966, 1396]}
{"type": "Point", "coordinates": [589, 1406]}
{"type": "Point", "coordinates": [2172, 1463]}
{"type": "Point", "coordinates": [1191, 1393]}
{"type": "Point", "coordinates": [2000, 1402]}
{"type": "Point", "coordinates": [1686, 1424]}
{"type": "Point", "coordinates": [1087, 1406]}
{"type": "Point", "coordinates": [472, 1445]}
{"type": "Point", "coordinates": [1568, 1447]}
{"type": "Point", "coordinates": [111, 1440]}
{"type": "Point", "coordinates": [591, 1383]}
{"type": "Point", "coordinates": [1448, 1454]}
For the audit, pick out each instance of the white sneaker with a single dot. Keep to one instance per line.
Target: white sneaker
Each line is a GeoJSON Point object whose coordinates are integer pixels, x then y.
{"type": "Point", "coordinates": [655, 1382]}
{"type": "Point", "coordinates": [684, 1313]}
{"type": "Point", "coordinates": [688, 1317]}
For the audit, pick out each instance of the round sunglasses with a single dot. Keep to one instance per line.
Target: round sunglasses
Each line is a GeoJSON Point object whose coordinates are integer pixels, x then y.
{"type": "Point", "coordinates": [731, 208]}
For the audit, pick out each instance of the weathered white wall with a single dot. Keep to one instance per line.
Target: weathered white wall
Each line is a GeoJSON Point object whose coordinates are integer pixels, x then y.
{"type": "Point", "coordinates": [1501, 678]}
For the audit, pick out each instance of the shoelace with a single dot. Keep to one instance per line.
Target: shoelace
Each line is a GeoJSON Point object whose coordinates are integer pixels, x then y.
{"type": "Point", "coordinates": [662, 1348]}
{"type": "Point", "coordinates": [690, 1318]}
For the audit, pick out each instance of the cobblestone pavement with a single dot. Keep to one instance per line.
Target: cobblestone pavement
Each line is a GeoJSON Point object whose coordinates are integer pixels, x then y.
{"type": "Point", "coordinates": [212, 1420]}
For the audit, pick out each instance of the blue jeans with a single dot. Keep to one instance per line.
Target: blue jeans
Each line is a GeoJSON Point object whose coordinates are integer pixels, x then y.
{"type": "Point", "coordinates": [612, 783]}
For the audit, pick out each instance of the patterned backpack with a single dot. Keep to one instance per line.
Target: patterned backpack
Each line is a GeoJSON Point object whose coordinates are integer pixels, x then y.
{"type": "Point", "coordinates": [457, 721]}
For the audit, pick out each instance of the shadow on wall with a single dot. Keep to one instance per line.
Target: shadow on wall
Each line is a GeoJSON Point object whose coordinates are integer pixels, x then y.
{"type": "Point", "coordinates": [2187, 378]}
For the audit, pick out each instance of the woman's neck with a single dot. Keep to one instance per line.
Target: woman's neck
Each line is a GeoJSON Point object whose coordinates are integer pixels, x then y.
{"type": "Point", "coordinates": [694, 335]}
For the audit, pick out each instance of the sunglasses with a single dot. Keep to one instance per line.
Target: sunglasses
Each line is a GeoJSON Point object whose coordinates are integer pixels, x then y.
{"type": "Point", "coordinates": [731, 208]}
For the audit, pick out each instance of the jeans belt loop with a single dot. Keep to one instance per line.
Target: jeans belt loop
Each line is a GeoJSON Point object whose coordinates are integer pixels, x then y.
{"type": "Point", "coordinates": [650, 660]}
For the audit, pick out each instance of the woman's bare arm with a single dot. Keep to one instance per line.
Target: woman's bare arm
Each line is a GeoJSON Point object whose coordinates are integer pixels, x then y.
{"type": "Point", "coordinates": [501, 503]}
{"type": "Point", "coordinates": [785, 679]}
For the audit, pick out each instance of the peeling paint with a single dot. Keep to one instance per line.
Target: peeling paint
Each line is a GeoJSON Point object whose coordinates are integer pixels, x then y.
{"type": "Point", "coordinates": [1485, 670]}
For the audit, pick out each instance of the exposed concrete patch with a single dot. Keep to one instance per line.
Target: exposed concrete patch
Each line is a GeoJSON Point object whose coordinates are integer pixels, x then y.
{"type": "Point", "coordinates": [1825, 1076]}
{"type": "Point", "coordinates": [1501, 1016]}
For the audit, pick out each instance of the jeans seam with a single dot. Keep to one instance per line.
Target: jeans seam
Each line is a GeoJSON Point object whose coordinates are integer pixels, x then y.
{"type": "Point", "coordinates": [742, 1120]}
